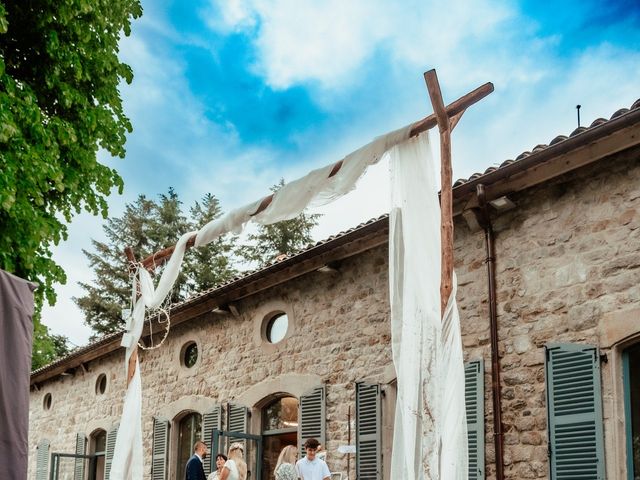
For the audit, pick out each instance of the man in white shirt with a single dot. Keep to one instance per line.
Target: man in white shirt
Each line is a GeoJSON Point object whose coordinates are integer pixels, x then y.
{"type": "Point", "coordinates": [310, 467]}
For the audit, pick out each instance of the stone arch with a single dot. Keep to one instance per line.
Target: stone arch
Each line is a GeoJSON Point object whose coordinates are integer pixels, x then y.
{"type": "Point", "coordinates": [293, 384]}
{"type": "Point", "coordinates": [193, 403]}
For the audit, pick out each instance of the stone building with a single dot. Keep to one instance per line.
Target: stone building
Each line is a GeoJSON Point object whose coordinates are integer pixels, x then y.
{"type": "Point", "coordinates": [302, 347]}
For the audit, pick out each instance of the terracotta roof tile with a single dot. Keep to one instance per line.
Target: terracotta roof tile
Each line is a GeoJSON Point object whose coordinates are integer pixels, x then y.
{"type": "Point", "coordinates": [558, 139]}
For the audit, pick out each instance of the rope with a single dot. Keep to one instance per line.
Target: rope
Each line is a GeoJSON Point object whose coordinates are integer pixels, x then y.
{"type": "Point", "coordinates": [157, 313]}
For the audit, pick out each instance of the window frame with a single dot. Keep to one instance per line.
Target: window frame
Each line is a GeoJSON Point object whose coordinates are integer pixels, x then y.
{"type": "Point", "coordinates": [178, 467]}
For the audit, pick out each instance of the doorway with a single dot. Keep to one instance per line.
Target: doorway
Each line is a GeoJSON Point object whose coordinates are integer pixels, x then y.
{"type": "Point", "coordinates": [631, 374]}
{"type": "Point", "coordinates": [279, 429]}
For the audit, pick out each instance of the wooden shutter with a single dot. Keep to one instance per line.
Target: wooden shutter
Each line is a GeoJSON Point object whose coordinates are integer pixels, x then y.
{"type": "Point", "coordinates": [81, 444]}
{"type": "Point", "coordinates": [312, 417]}
{"type": "Point", "coordinates": [368, 432]}
{"type": "Point", "coordinates": [574, 408]}
{"type": "Point", "coordinates": [42, 459]}
{"type": "Point", "coordinates": [110, 447]}
{"type": "Point", "coordinates": [474, 403]}
{"type": "Point", "coordinates": [210, 421]}
{"type": "Point", "coordinates": [237, 422]}
{"type": "Point", "coordinates": [160, 449]}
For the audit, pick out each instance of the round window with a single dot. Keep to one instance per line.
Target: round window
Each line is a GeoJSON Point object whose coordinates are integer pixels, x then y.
{"type": "Point", "coordinates": [190, 355]}
{"type": "Point", "coordinates": [46, 403]}
{"type": "Point", "coordinates": [101, 384]}
{"type": "Point", "coordinates": [277, 327]}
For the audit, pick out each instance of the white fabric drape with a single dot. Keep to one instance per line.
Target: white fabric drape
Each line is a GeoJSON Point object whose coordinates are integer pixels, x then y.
{"type": "Point", "coordinates": [416, 328]}
{"type": "Point", "coordinates": [430, 425]}
{"type": "Point", "coordinates": [314, 189]}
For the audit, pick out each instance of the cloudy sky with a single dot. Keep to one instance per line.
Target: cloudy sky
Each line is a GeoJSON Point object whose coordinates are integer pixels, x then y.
{"type": "Point", "coordinates": [231, 95]}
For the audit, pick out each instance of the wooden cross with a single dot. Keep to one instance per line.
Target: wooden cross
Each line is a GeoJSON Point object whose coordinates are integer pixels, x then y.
{"type": "Point", "coordinates": [447, 120]}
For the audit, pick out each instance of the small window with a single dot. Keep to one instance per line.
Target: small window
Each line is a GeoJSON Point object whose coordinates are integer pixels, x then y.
{"type": "Point", "coordinates": [46, 404]}
{"type": "Point", "coordinates": [190, 354]}
{"type": "Point", "coordinates": [101, 384]}
{"type": "Point", "coordinates": [277, 327]}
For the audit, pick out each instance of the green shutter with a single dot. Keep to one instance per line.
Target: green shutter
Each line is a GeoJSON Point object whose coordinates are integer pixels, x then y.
{"type": "Point", "coordinates": [210, 421]}
{"type": "Point", "coordinates": [42, 459]}
{"type": "Point", "coordinates": [110, 447]}
{"type": "Point", "coordinates": [237, 422]}
{"type": "Point", "coordinates": [574, 408]}
{"type": "Point", "coordinates": [312, 417]}
{"type": "Point", "coordinates": [368, 432]}
{"type": "Point", "coordinates": [474, 404]}
{"type": "Point", "coordinates": [160, 449]}
{"type": "Point", "coordinates": [81, 444]}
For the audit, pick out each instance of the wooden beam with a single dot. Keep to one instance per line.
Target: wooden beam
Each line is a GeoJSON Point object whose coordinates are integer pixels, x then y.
{"type": "Point", "coordinates": [446, 195]}
{"type": "Point", "coordinates": [454, 110]}
{"type": "Point", "coordinates": [131, 367]}
{"type": "Point", "coordinates": [459, 106]}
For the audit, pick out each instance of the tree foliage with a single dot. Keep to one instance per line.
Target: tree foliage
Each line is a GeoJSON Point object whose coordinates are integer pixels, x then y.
{"type": "Point", "coordinates": [59, 103]}
{"type": "Point", "coordinates": [148, 226]}
{"type": "Point", "coordinates": [282, 238]}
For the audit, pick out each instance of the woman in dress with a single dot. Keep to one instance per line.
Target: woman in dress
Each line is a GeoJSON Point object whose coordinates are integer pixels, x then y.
{"type": "Point", "coordinates": [285, 468]}
{"type": "Point", "coordinates": [221, 458]}
{"type": "Point", "coordinates": [235, 468]}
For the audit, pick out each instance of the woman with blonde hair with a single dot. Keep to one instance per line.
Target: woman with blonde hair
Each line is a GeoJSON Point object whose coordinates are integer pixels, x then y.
{"type": "Point", "coordinates": [285, 468]}
{"type": "Point", "coordinates": [234, 468]}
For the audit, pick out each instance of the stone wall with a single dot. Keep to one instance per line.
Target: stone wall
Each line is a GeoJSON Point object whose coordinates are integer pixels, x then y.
{"type": "Point", "coordinates": [567, 259]}
{"type": "Point", "coordinates": [567, 269]}
{"type": "Point", "coordinates": [340, 335]}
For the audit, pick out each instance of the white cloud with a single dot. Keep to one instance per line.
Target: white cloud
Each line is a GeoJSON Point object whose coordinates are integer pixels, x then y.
{"type": "Point", "coordinates": [300, 41]}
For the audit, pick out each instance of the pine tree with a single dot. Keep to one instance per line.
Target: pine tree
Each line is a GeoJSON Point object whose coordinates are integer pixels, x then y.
{"type": "Point", "coordinates": [282, 238]}
{"type": "Point", "coordinates": [210, 264]}
{"type": "Point", "coordinates": [110, 292]}
{"type": "Point", "coordinates": [148, 226]}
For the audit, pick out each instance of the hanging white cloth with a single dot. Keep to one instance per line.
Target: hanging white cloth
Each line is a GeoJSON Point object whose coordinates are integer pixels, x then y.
{"type": "Point", "coordinates": [430, 425]}
{"type": "Point", "coordinates": [416, 327]}
{"type": "Point", "coordinates": [316, 188]}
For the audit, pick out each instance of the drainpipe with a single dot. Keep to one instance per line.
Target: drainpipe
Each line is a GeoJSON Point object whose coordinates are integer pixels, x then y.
{"type": "Point", "coordinates": [485, 222]}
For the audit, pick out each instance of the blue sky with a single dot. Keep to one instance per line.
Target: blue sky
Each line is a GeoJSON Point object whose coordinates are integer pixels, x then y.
{"type": "Point", "coordinates": [230, 95]}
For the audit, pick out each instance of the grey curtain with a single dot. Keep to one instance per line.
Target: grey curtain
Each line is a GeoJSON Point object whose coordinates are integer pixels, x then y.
{"type": "Point", "coordinates": [16, 332]}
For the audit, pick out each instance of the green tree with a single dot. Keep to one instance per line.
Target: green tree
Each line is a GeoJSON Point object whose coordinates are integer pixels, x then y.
{"type": "Point", "coordinates": [104, 299]}
{"type": "Point", "coordinates": [282, 238]}
{"type": "Point", "coordinates": [47, 347]}
{"type": "Point", "coordinates": [59, 103]}
{"type": "Point", "coordinates": [148, 226]}
{"type": "Point", "coordinates": [210, 264]}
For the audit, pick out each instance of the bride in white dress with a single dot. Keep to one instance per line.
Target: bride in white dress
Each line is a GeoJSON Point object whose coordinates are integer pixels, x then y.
{"type": "Point", "coordinates": [235, 468]}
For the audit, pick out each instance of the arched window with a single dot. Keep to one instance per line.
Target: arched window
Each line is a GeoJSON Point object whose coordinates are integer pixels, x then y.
{"type": "Point", "coordinates": [189, 430]}
{"type": "Point", "coordinates": [279, 429]}
{"type": "Point", "coordinates": [97, 447]}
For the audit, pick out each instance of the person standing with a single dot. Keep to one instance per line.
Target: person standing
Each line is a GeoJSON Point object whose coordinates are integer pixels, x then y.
{"type": "Point", "coordinates": [221, 458]}
{"type": "Point", "coordinates": [195, 467]}
{"type": "Point", "coordinates": [311, 467]}
{"type": "Point", "coordinates": [285, 468]}
{"type": "Point", "coordinates": [234, 468]}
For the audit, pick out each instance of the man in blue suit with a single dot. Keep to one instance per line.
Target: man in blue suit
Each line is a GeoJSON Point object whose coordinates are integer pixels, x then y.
{"type": "Point", "coordinates": [195, 467]}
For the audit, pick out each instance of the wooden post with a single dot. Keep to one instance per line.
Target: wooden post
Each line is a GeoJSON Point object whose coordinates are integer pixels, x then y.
{"type": "Point", "coordinates": [446, 193]}
{"type": "Point", "coordinates": [131, 368]}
